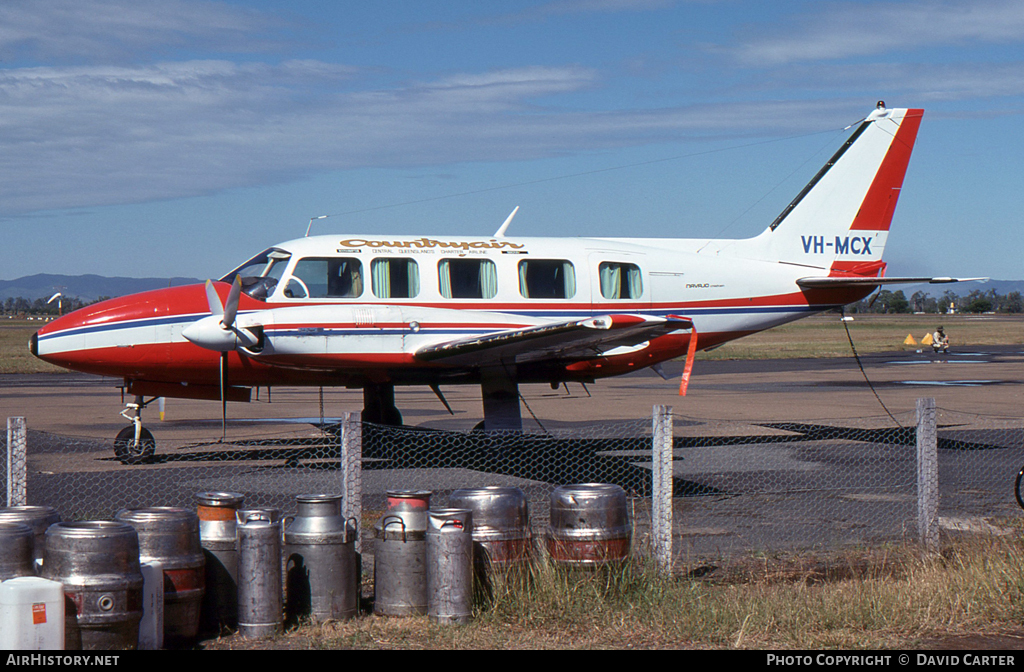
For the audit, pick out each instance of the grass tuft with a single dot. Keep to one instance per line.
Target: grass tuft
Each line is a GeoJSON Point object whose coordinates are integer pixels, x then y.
{"type": "Point", "coordinates": [896, 597]}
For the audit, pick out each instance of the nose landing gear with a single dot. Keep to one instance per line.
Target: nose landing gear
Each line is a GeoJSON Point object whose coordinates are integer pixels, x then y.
{"type": "Point", "coordinates": [135, 444]}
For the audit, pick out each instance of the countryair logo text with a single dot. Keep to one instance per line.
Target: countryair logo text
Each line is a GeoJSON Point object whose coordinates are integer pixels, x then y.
{"type": "Point", "coordinates": [430, 243]}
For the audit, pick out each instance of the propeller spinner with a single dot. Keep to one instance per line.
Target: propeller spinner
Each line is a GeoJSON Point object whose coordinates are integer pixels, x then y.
{"type": "Point", "coordinates": [218, 331]}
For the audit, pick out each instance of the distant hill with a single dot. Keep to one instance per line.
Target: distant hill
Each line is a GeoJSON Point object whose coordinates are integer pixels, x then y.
{"type": "Point", "coordinates": [85, 287]}
{"type": "Point", "coordinates": [1002, 287]}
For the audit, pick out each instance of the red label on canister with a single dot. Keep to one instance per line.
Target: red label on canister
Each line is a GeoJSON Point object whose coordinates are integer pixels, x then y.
{"type": "Point", "coordinates": [39, 613]}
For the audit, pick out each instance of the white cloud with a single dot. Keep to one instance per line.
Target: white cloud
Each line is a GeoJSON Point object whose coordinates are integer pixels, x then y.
{"type": "Point", "coordinates": [844, 30]}
{"type": "Point", "coordinates": [105, 30]}
{"type": "Point", "coordinates": [912, 82]}
{"type": "Point", "coordinates": [97, 135]}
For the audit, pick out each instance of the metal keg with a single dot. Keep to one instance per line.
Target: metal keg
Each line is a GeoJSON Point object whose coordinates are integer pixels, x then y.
{"type": "Point", "coordinates": [589, 524]}
{"type": "Point", "coordinates": [501, 523]}
{"type": "Point", "coordinates": [217, 536]}
{"type": "Point", "coordinates": [400, 555]}
{"type": "Point", "coordinates": [259, 576]}
{"type": "Point", "coordinates": [98, 563]}
{"type": "Point", "coordinates": [170, 536]}
{"type": "Point", "coordinates": [450, 565]}
{"type": "Point", "coordinates": [16, 551]}
{"type": "Point", "coordinates": [320, 560]}
{"type": "Point", "coordinates": [39, 518]}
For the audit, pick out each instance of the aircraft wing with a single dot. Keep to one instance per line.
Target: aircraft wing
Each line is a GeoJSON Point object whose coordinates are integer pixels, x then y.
{"type": "Point", "coordinates": [830, 282]}
{"type": "Point", "coordinates": [566, 340]}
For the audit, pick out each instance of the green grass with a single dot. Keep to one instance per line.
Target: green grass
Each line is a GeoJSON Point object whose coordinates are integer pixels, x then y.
{"type": "Point", "coordinates": [817, 336]}
{"type": "Point", "coordinates": [886, 598]}
{"type": "Point", "coordinates": [14, 354]}
{"type": "Point", "coordinates": [824, 335]}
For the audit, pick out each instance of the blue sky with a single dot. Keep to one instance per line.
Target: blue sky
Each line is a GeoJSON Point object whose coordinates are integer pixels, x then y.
{"type": "Point", "coordinates": [178, 137]}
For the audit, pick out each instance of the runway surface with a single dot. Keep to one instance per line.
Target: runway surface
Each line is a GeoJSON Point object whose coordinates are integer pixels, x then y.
{"type": "Point", "coordinates": [807, 483]}
{"type": "Point", "coordinates": [987, 381]}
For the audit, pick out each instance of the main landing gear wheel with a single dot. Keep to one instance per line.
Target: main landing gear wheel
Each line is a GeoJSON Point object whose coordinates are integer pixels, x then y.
{"type": "Point", "coordinates": [131, 451]}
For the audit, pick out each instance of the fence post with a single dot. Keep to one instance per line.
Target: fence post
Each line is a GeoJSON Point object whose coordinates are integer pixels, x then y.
{"type": "Point", "coordinates": [927, 475]}
{"type": "Point", "coordinates": [661, 492]}
{"type": "Point", "coordinates": [352, 471]}
{"type": "Point", "coordinates": [17, 462]}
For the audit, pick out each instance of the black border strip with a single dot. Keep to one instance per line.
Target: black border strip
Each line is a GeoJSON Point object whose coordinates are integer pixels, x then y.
{"type": "Point", "coordinates": [821, 174]}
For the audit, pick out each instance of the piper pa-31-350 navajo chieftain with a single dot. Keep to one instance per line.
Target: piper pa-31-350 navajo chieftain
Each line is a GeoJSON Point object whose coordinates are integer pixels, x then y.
{"type": "Point", "coordinates": [375, 311]}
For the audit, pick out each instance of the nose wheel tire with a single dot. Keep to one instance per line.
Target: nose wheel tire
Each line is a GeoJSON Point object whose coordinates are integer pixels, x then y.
{"type": "Point", "coordinates": [130, 451]}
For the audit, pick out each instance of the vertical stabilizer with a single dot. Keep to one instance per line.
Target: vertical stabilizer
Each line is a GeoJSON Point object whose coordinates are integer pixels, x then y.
{"type": "Point", "coordinates": [840, 220]}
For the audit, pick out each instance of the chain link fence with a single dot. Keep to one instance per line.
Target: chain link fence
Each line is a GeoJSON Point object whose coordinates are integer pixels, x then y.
{"type": "Point", "coordinates": [739, 487]}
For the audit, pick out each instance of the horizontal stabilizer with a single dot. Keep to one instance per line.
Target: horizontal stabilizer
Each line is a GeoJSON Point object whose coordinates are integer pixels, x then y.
{"type": "Point", "coordinates": [575, 339]}
{"type": "Point", "coordinates": [820, 282]}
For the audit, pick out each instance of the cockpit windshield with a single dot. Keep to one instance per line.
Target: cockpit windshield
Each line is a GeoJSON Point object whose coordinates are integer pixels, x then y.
{"type": "Point", "coordinates": [261, 273]}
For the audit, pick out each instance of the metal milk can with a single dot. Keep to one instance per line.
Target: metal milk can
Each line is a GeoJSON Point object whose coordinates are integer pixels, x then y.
{"type": "Point", "coordinates": [259, 576]}
{"type": "Point", "coordinates": [400, 555]}
{"type": "Point", "coordinates": [218, 537]}
{"type": "Point", "coordinates": [450, 565]}
{"type": "Point", "coordinates": [320, 560]}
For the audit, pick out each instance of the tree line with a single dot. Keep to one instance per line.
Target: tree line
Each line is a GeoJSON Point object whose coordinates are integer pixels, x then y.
{"type": "Point", "coordinates": [20, 306]}
{"type": "Point", "coordinates": [977, 301]}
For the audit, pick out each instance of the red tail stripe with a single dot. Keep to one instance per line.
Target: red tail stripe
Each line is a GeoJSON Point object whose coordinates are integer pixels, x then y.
{"type": "Point", "coordinates": [875, 212]}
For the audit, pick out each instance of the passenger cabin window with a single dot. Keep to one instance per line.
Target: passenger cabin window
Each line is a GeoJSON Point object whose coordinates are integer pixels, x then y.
{"type": "Point", "coordinates": [335, 278]}
{"type": "Point", "coordinates": [467, 278]}
{"type": "Point", "coordinates": [547, 279]}
{"type": "Point", "coordinates": [395, 278]}
{"type": "Point", "coordinates": [620, 281]}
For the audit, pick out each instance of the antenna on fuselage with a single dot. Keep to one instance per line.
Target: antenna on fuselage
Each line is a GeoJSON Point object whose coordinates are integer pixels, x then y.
{"type": "Point", "coordinates": [501, 231]}
{"type": "Point", "coordinates": [311, 223]}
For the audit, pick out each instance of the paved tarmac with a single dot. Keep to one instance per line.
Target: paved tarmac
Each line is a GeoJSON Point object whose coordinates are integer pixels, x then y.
{"type": "Point", "coordinates": [986, 381]}
{"type": "Point", "coordinates": [750, 491]}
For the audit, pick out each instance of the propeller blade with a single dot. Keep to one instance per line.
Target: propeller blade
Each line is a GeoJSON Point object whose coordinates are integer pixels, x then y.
{"type": "Point", "coordinates": [218, 330]}
{"type": "Point", "coordinates": [231, 307]}
{"type": "Point", "coordinates": [213, 300]}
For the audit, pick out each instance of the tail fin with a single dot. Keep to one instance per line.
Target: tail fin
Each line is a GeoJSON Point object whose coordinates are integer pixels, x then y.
{"type": "Point", "coordinates": [840, 221]}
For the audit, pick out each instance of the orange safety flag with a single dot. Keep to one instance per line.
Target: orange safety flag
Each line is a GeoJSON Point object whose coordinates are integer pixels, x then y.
{"type": "Point", "coordinates": [690, 352]}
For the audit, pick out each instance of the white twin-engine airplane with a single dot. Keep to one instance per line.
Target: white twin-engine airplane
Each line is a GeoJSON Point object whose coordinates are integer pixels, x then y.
{"type": "Point", "coordinates": [375, 311]}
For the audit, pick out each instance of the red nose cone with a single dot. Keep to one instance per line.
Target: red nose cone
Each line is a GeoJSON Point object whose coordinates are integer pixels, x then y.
{"type": "Point", "coordinates": [120, 337]}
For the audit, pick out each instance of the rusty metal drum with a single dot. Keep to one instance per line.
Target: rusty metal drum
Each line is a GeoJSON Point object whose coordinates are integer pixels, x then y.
{"type": "Point", "coordinates": [450, 565]}
{"type": "Point", "coordinates": [17, 543]}
{"type": "Point", "coordinates": [501, 523]}
{"type": "Point", "coordinates": [170, 535]}
{"type": "Point", "coordinates": [217, 536]}
{"type": "Point", "coordinates": [589, 525]}
{"type": "Point", "coordinates": [320, 557]}
{"type": "Point", "coordinates": [39, 518]}
{"type": "Point", "coordinates": [98, 563]}
{"type": "Point", "coordinates": [400, 555]}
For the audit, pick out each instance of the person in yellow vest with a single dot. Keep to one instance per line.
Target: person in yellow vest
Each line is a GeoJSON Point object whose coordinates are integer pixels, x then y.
{"type": "Point", "coordinates": [940, 341]}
